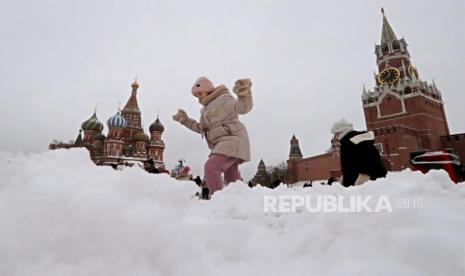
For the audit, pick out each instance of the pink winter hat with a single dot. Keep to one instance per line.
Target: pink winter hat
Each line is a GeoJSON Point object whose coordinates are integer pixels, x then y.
{"type": "Point", "coordinates": [202, 84]}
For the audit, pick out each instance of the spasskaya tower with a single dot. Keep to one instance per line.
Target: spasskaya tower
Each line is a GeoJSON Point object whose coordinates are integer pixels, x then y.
{"type": "Point", "coordinates": [404, 112]}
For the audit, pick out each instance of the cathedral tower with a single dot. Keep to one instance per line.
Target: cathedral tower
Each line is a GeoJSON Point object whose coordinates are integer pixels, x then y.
{"type": "Point", "coordinates": [132, 114]}
{"type": "Point", "coordinates": [113, 145]}
{"type": "Point", "coordinates": [156, 146]}
{"type": "Point", "coordinates": [91, 127]}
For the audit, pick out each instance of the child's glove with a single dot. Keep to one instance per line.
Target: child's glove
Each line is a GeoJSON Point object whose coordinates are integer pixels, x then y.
{"type": "Point", "coordinates": [242, 87]}
{"type": "Point", "coordinates": [181, 116]}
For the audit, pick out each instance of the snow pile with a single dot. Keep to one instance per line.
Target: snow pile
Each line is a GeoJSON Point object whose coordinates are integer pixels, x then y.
{"type": "Point", "coordinates": [61, 215]}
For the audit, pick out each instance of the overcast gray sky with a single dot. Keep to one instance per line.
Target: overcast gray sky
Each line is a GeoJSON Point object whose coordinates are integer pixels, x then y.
{"type": "Point", "coordinates": [308, 61]}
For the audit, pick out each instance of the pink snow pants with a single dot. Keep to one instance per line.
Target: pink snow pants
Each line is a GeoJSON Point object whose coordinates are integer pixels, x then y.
{"type": "Point", "coordinates": [218, 164]}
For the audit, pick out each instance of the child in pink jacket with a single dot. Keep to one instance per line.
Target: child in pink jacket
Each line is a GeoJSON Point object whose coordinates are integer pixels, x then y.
{"type": "Point", "coordinates": [219, 124]}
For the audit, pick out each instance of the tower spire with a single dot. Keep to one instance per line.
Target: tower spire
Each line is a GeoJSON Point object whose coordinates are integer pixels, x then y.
{"type": "Point", "coordinates": [132, 102]}
{"type": "Point", "coordinates": [295, 153]}
{"type": "Point", "coordinates": [387, 34]}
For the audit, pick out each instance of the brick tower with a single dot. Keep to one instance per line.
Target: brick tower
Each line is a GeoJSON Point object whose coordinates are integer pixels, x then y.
{"type": "Point", "coordinates": [295, 153]}
{"type": "Point", "coordinates": [404, 112]}
{"type": "Point", "coordinates": [295, 156]}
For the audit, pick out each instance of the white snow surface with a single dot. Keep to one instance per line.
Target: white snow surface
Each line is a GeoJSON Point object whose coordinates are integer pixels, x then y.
{"type": "Point", "coordinates": [62, 215]}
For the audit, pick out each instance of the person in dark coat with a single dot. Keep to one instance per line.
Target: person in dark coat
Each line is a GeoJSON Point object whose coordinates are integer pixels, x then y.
{"type": "Point", "coordinates": [360, 159]}
{"type": "Point", "coordinates": [251, 184]}
{"type": "Point", "coordinates": [205, 190]}
{"type": "Point", "coordinates": [308, 184]}
{"type": "Point", "coordinates": [149, 166]}
{"type": "Point", "coordinates": [198, 181]}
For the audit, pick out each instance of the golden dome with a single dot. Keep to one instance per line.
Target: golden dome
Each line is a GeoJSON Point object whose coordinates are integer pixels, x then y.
{"type": "Point", "coordinates": [135, 85]}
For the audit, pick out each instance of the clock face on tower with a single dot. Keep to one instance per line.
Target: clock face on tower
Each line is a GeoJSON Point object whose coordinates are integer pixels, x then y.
{"type": "Point", "coordinates": [389, 75]}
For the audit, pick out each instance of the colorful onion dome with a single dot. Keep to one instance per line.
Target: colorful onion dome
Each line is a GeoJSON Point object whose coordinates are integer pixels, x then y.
{"type": "Point", "coordinates": [92, 124]}
{"type": "Point", "coordinates": [117, 121]}
{"type": "Point", "coordinates": [140, 136]}
{"type": "Point", "coordinates": [157, 126]}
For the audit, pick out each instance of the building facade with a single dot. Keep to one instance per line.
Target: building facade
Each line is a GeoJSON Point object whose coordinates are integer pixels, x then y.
{"type": "Point", "coordinates": [126, 143]}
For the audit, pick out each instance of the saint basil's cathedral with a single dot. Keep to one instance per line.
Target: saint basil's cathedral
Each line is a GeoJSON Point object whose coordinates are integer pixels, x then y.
{"type": "Point", "coordinates": [126, 142]}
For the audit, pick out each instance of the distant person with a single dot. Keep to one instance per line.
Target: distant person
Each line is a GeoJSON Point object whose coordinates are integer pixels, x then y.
{"type": "Point", "coordinates": [251, 183]}
{"type": "Point", "coordinates": [198, 181]}
{"type": "Point", "coordinates": [219, 124]}
{"type": "Point", "coordinates": [205, 191]}
{"type": "Point", "coordinates": [149, 166]}
{"type": "Point", "coordinates": [308, 184]}
{"type": "Point", "coordinates": [360, 159]}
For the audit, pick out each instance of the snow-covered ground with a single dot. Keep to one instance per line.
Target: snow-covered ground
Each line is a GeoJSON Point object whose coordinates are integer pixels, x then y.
{"type": "Point", "coordinates": [61, 215]}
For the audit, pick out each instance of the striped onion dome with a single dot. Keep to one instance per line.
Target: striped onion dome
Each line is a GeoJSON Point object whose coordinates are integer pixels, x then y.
{"type": "Point", "coordinates": [117, 121]}
{"type": "Point", "coordinates": [156, 126]}
{"type": "Point", "coordinates": [92, 124]}
{"type": "Point", "coordinates": [141, 136]}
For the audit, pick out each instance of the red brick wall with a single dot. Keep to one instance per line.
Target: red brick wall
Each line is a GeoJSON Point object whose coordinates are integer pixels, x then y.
{"type": "Point", "coordinates": [318, 167]}
{"type": "Point", "coordinates": [422, 114]}
{"type": "Point", "coordinates": [397, 143]}
{"type": "Point", "coordinates": [390, 105]}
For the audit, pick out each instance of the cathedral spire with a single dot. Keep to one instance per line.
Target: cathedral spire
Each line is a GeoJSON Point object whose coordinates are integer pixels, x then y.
{"type": "Point", "coordinates": [132, 113]}
{"type": "Point", "coordinates": [387, 34]}
{"type": "Point", "coordinates": [132, 105]}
